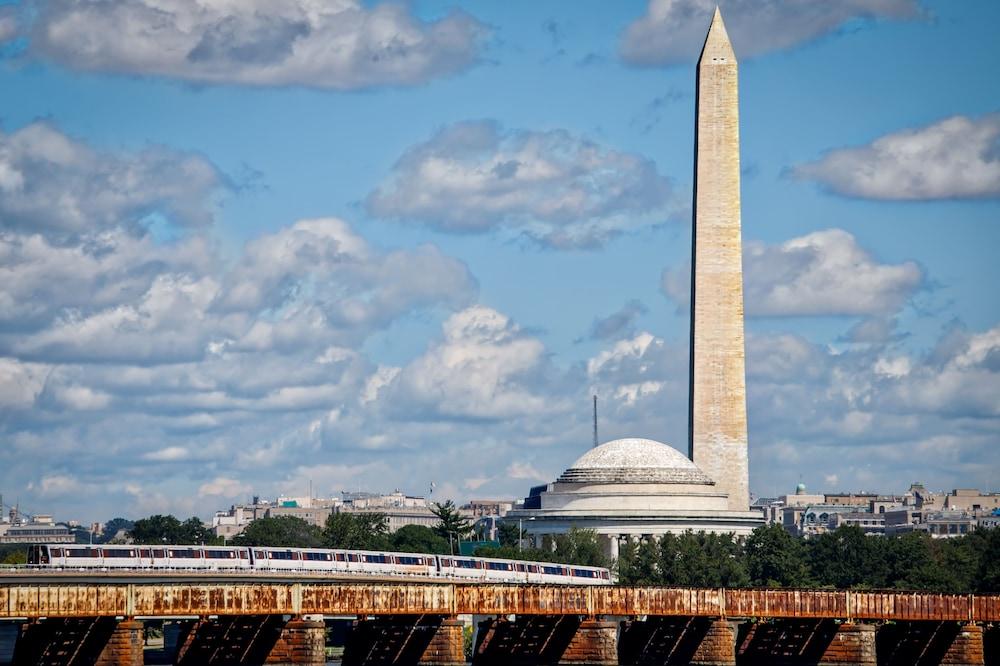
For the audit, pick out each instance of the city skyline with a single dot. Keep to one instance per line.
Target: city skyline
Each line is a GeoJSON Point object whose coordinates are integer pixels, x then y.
{"type": "Point", "coordinates": [307, 252]}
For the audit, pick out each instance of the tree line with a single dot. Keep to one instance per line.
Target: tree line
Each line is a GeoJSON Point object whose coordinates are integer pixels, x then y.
{"type": "Point", "coordinates": [844, 558]}
{"type": "Point", "coordinates": [347, 531]}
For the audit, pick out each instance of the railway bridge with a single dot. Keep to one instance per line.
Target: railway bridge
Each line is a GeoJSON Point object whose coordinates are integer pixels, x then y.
{"type": "Point", "coordinates": [94, 620]}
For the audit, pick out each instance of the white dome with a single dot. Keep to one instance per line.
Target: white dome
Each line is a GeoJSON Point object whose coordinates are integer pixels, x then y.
{"type": "Point", "coordinates": [634, 460]}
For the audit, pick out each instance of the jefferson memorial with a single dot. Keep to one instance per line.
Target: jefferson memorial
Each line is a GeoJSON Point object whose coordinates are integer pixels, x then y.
{"type": "Point", "coordinates": [629, 489]}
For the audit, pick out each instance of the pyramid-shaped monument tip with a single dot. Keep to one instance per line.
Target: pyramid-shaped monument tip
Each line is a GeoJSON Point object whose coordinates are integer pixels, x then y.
{"type": "Point", "coordinates": [718, 50]}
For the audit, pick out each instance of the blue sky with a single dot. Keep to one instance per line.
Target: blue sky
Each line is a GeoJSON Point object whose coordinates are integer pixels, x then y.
{"type": "Point", "coordinates": [248, 245]}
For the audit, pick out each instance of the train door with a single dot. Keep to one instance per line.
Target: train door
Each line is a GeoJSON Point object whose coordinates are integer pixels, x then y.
{"type": "Point", "coordinates": [38, 555]}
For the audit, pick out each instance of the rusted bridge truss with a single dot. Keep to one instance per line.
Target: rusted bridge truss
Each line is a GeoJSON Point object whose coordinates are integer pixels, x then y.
{"type": "Point", "coordinates": [174, 599]}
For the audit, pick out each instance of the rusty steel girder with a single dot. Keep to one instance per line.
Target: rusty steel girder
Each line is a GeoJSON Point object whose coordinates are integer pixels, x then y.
{"type": "Point", "coordinates": [172, 599]}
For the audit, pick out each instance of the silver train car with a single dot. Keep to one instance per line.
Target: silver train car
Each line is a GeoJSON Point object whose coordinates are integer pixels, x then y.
{"type": "Point", "coordinates": [310, 560]}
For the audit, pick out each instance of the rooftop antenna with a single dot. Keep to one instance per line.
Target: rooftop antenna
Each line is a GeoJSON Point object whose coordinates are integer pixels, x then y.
{"type": "Point", "coordinates": [595, 420]}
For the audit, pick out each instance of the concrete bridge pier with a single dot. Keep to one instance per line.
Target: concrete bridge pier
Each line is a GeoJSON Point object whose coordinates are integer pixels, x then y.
{"type": "Point", "coordinates": [677, 640]}
{"type": "Point", "coordinates": [594, 643]}
{"type": "Point", "coordinates": [275, 640]}
{"type": "Point", "coordinates": [424, 640]}
{"type": "Point", "coordinates": [540, 640]}
{"type": "Point", "coordinates": [301, 642]}
{"type": "Point", "coordinates": [717, 646]}
{"type": "Point", "coordinates": [807, 643]}
{"type": "Point", "coordinates": [124, 646]}
{"type": "Point", "coordinates": [852, 645]}
{"type": "Point", "coordinates": [102, 641]}
{"type": "Point", "coordinates": [966, 648]}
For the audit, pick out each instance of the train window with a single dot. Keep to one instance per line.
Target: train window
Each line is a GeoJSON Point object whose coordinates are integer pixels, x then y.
{"type": "Point", "coordinates": [184, 553]}
{"type": "Point", "coordinates": [260, 554]}
{"type": "Point", "coordinates": [243, 554]}
{"type": "Point", "coordinates": [352, 557]}
{"type": "Point", "coordinates": [144, 552]}
{"type": "Point", "coordinates": [374, 559]}
{"type": "Point", "coordinates": [532, 568]}
{"type": "Point", "coordinates": [339, 556]}
{"type": "Point", "coordinates": [118, 552]}
{"type": "Point", "coordinates": [445, 562]}
{"type": "Point", "coordinates": [83, 552]}
{"type": "Point", "coordinates": [281, 555]}
{"type": "Point", "coordinates": [498, 566]}
{"type": "Point", "coordinates": [606, 575]}
{"type": "Point", "coordinates": [55, 552]}
{"type": "Point", "coordinates": [159, 552]}
{"type": "Point", "coordinates": [466, 564]}
{"type": "Point", "coordinates": [316, 557]}
{"type": "Point", "coordinates": [552, 571]}
{"type": "Point", "coordinates": [219, 554]}
{"type": "Point", "coordinates": [404, 559]}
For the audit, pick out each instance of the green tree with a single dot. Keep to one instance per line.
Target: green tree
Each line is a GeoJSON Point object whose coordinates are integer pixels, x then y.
{"type": "Point", "coordinates": [580, 546]}
{"type": "Point", "coordinates": [626, 565]}
{"type": "Point", "coordinates": [286, 531]}
{"type": "Point", "coordinates": [193, 531]}
{"type": "Point", "coordinates": [682, 559]}
{"type": "Point", "coordinates": [356, 531]}
{"type": "Point", "coordinates": [508, 533]}
{"type": "Point", "coordinates": [727, 562]}
{"type": "Point", "coordinates": [908, 555]}
{"type": "Point", "coordinates": [938, 565]}
{"type": "Point", "coordinates": [112, 527]}
{"type": "Point", "coordinates": [157, 529]}
{"type": "Point", "coordinates": [451, 523]}
{"type": "Point", "coordinates": [417, 539]}
{"type": "Point", "coordinates": [374, 528]}
{"type": "Point", "coordinates": [847, 558]}
{"type": "Point", "coordinates": [986, 545]}
{"type": "Point", "coordinates": [702, 559]}
{"type": "Point", "coordinates": [647, 565]}
{"type": "Point", "coordinates": [15, 556]}
{"type": "Point", "coordinates": [160, 529]}
{"type": "Point", "coordinates": [775, 558]}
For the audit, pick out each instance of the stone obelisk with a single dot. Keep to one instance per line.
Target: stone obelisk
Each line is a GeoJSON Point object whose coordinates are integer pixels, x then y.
{"type": "Point", "coordinates": [718, 412]}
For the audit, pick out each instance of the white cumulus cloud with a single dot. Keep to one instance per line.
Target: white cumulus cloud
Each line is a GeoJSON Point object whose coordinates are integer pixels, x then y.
{"type": "Point", "coordinates": [822, 273]}
{"type": "Point", "coordinates": [672, 31]}
{"type": "Point", "coordinates": [345, 44]}
{"type": "Point", "coordinates": [556, 188]}
{"type": "Point", "coordinates": [222, 486]}
{"type": "Point", "coordinates": [53, 184]}
{"type": "Point", "coordinates": [954, 158]}
{"type": "Point", "coordinates": [483, 368]}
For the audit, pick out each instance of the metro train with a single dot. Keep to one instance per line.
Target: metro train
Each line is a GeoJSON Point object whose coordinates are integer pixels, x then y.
{"type": "Point", "coordinates": [309, 560]}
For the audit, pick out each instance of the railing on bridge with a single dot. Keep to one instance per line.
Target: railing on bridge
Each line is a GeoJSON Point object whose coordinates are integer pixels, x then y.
{"type": "Point", "coordinates": [166, 599]}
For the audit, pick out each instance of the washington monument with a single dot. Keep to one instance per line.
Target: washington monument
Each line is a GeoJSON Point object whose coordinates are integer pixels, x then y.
{"type": "Point", "coordinates": [717, 402]}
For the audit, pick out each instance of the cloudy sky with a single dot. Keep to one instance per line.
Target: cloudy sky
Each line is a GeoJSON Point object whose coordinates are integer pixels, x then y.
{"type": "Point", "coordinates": [249, 244]}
